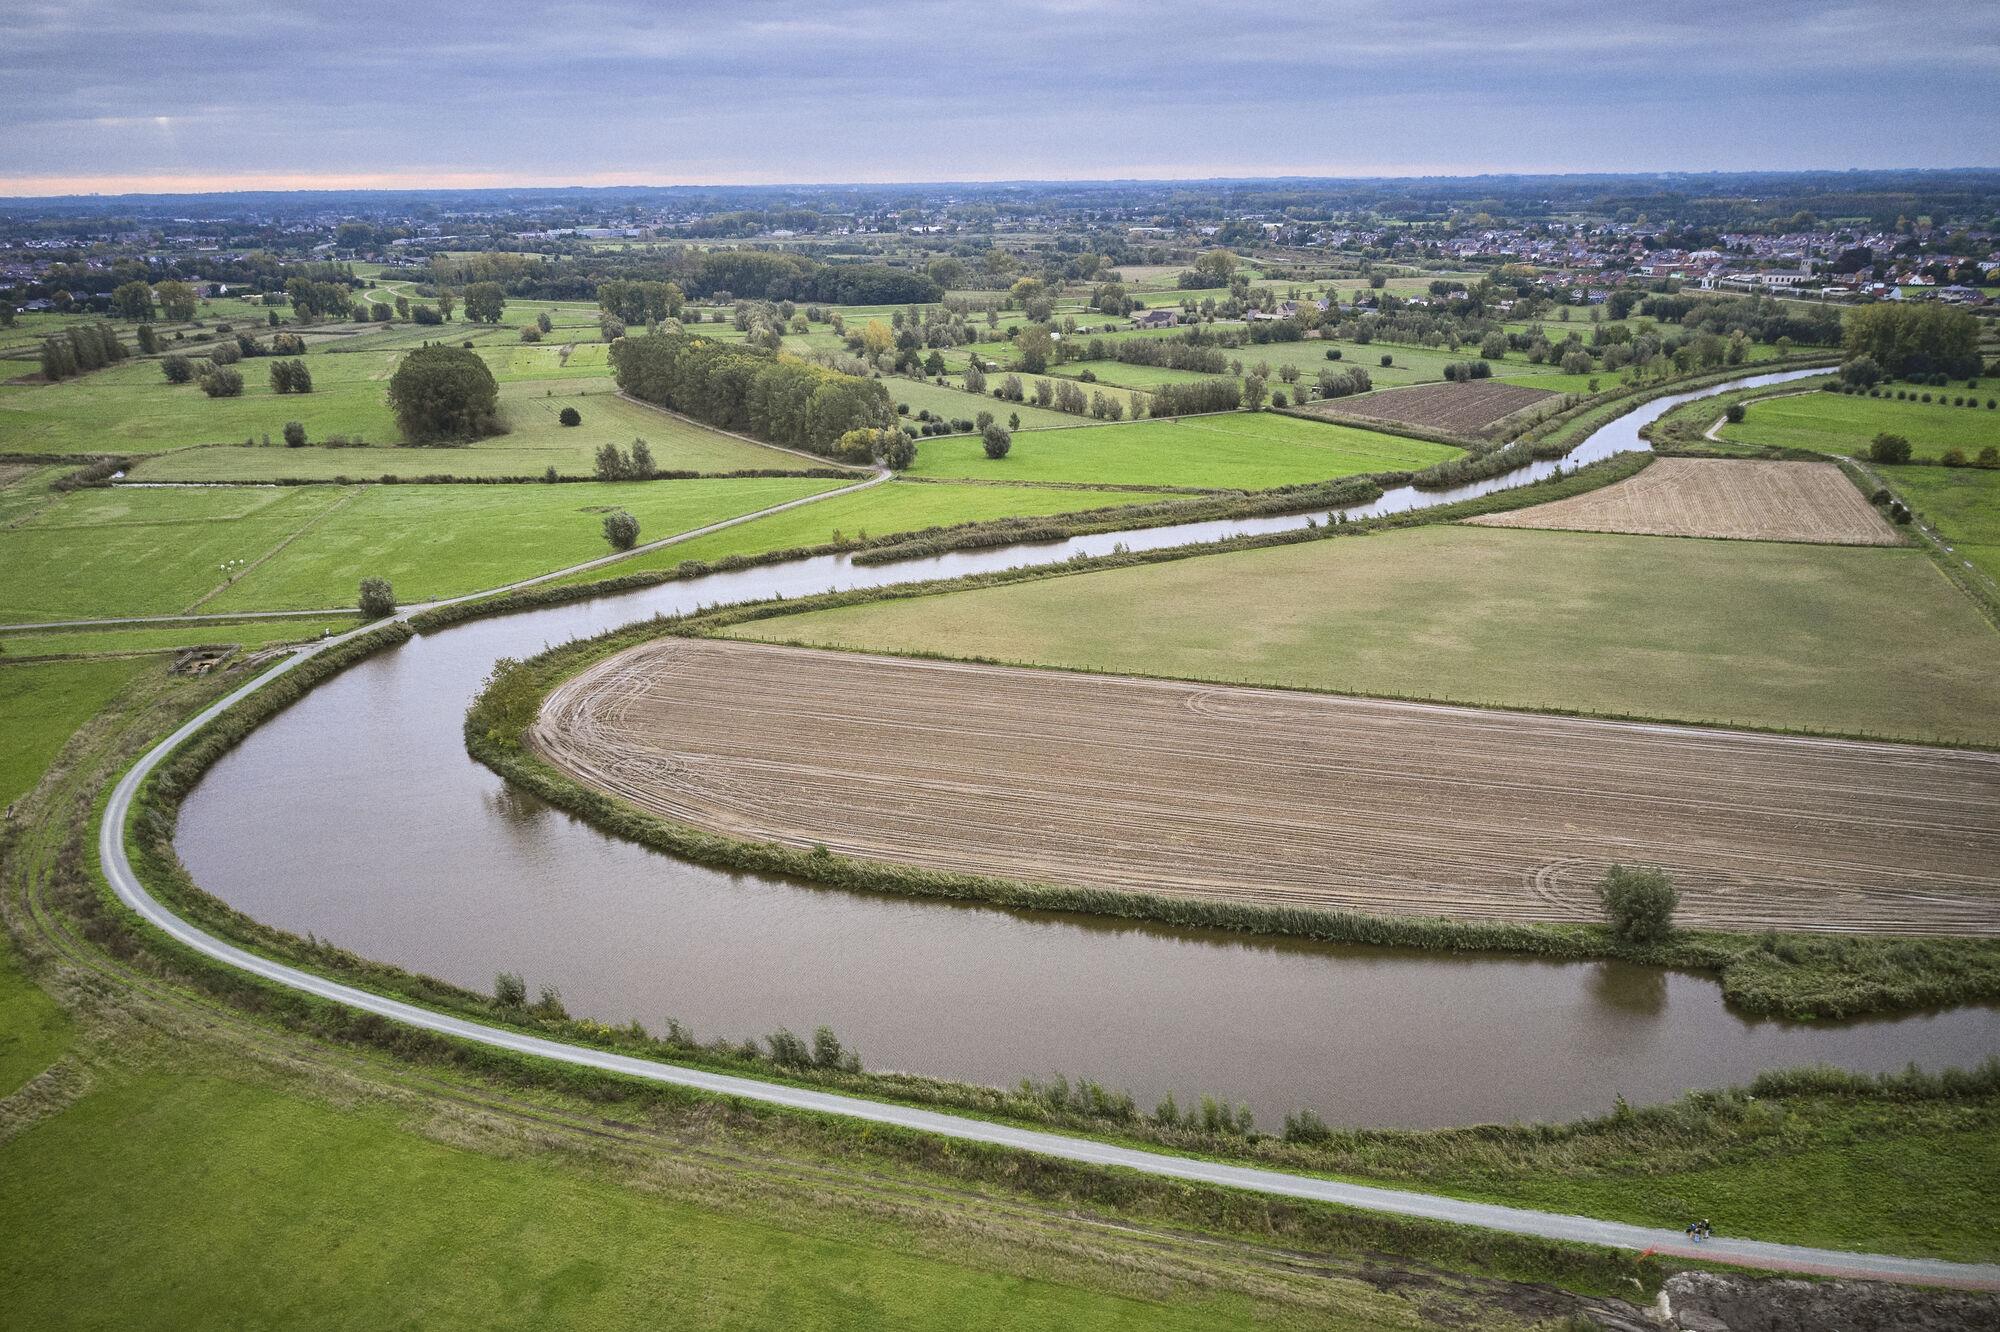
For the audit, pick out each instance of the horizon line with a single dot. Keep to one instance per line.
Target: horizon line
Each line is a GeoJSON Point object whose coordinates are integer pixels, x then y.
{"type": "Point", "coordinates": [138, 186]}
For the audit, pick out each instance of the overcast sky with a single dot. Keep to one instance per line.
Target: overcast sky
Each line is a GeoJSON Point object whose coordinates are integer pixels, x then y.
{"type": "Point", "coordinates": [172, 95]}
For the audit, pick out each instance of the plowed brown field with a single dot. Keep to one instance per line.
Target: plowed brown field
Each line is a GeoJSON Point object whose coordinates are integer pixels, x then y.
{"type": "Point", "coordinates": [1466, 407]}
{"type": "Point", "coordinates": [1717, 497]}
{"type": "Point", "coordinates": [1276, 797]}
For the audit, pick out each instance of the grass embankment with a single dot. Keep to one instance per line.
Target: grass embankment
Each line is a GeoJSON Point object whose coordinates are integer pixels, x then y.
{"type": "Point", "coordinates": [148, 552]}
{"type": "Point", "coordinates": [1238, 450]}
{"type": "Point", "coordinates": [476, 1189]}
{"type": "Point", "coordinates": [129, 639]}
{"type": "Point", "coordinates": [1769, 635]}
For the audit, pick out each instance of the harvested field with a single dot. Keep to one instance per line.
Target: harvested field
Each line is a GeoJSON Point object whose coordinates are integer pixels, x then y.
{"type": "Point", "coordinates": [1718, 497]}
{"type": "Point", "coordinates": [1281, 798]}
{"type": "Point", "coordinates": [1464, 408]}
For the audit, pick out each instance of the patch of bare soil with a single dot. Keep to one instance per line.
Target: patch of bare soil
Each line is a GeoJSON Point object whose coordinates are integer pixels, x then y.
{"type": "Point", "coordinates": [1465, 407]}
{"type": "Point", "coordinates": [1735, 499]}
{"type": "Point", "coordinates": [1281, 798]}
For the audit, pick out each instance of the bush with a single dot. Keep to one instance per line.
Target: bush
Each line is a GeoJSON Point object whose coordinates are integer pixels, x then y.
{"type": "Point", "coordinates": [1887, 448]}
{"type": "Point", "coordinates": [377, 598]}
{"type": "Point", "coordinates": [225, 353]}
{"type": "Point", "coordinates": [1638, 904]}
{"type": "Point", "coordinates": [621, 529]}
{"type": "Point", "coordinates": [1387, 359]}
{"type": "Point", "coordinates": [997, 440]}
{"type": "Point", "coordinates": [295, 435]}
{"type": "Point", "coordinates": [1953, 457]}
{"type": "Point", "coordinates": [219, 381]}
{"type": "Point", "coordinates": [509, 990]}
{"type": "Point", "coordinates": [569, 416]}
{"type": "Point", "coordinates": [1736, 412]}
{"type": "Point", "coordinates": [1988, 457]}
{"type": "Point", "coordinates": [291, 377]}
{"type": "Point", "coordinates": [177, 368]}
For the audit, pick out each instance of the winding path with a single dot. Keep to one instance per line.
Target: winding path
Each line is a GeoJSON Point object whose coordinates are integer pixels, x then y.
{"type": "Point", "coordinates": [125, 882]}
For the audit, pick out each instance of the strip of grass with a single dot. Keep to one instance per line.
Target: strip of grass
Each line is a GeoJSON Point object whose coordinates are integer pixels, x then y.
{"type": "Point", "coordinates": [896, 506]}
{"type": "Point", "coordinates": [166, 637]}
{"type": "Point", "coordinates": [173, 1201]}
{"type": "Point", "coordinates": [1239, 450]}
{"type": "Point", "coordinates": [1738, 633]}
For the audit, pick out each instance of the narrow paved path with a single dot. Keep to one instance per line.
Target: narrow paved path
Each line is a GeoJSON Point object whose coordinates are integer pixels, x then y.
{"type": "Point", "coordinates": [125, 882]}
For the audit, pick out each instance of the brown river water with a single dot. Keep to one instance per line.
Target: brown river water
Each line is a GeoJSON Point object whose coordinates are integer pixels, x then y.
{"type": "Point", "coordinates": [356, 815]}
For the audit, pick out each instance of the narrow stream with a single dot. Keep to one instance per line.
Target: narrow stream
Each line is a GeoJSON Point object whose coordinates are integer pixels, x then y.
{"type": "Point", "coordinates": [356, 815]}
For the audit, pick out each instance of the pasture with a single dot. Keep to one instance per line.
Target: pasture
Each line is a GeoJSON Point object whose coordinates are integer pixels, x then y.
{"type": "Point", "coordinates": [141, 552]}
{"type": "Point", "coordinates": [1843, 423]}
{"type": "Point", "coordinates": [1962, 503]}
{"type": "Point", "coordinates": [1794, 637]}
{"type": "Point", "coordinates": [1233, 450]}
{"type": "Point", "coordinates": [1225, 792]}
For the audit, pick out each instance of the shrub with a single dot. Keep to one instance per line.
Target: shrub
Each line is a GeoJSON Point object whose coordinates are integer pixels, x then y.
{"type": "Point", "coordinates": [295, 435]}
{"type": "Point", "coordinates": [1333, 353]}
{"type": "Point", "coordinates": [1988, 457]}
{"type": "Point", "coordinates": [1736, 412]}
{"type": "Point", "coordinates": [1953, 457]}
{"type": "Point", "coordinates": [1887, 448]}
{"type": "Point", "coordinates": [377, 598]}
{"type": "Point", "coordinates": [997, 440]}
{"type": "Point", "coordinates": [291, 377]}
{"type": "Point", "coordinates": [219, 381]}
{"type": "Point", "coordinates": [1638, 904]}
{"type": "Point", "coordinates": [1881, 495]}
{"type": "Point", "coordinates": [569, 416]}
{"type": "Point", "coordinates": [509, 990]}
{"type": "Point", "coordinates": [177, 368]}
{"type": "Point", "coordinates": [621, 529]}
{"type": "Point", "coordinates": [1387, 359]}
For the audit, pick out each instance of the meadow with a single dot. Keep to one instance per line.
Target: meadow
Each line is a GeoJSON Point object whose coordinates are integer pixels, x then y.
{"type": "Point", "coordinates": [1962, 503]}
{"type": "Point", "coordinates": [1811, 638]}
{"type": "Point", "coordinates": [1840, 423]}
{"type": "Point", "coordinates": [1235, 450]}
{"type": "Point", "coordinates": [142, 552]}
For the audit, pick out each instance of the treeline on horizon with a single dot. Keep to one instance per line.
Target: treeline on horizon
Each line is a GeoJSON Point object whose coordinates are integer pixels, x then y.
{"type": "Point", "coordinates": [759, 275]}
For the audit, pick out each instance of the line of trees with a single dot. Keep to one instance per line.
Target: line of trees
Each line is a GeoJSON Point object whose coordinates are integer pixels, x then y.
{"type": "Point", "coordinates": [83, 348]}
{"type": "Point", "coordinates": [1211, 395]}
{"type": "Point", "coordinates": [1914, 339]}
{"type": "Point", "coordinates": [749, 389]}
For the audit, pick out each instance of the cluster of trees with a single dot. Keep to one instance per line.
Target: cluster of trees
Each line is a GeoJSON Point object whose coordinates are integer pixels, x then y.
{"type": "Point", "coordinates": [82, 348]}
{"type": "Point", "coordinates": [1213, 395]}
{"type": "Point", "coordinates": [219, 381]}
{"type": "Point", "coordinates": [444, 395]}
{"type": "Point", "coordinates": [885, 445]}
{"type": "Point", "coordinates": [1338, 383]}
{"type": "Point", "coordinates": [750, 389]}
{"type": "Point", "coordinates": [615, 464]}
{"type": "Point", "coordinates": [291, 376]}
{"type": "Point", "coordinates": [1914, 339]}
{"type": "Point", "coordinates": [1760, 318]}
{"type": "Point", "coordinates": [319, 299]}
{"type": "Point", "coordinates": [1464, 370]}
{"type": "Point", "coordinates": [638, 301]}
{"type": "Point", "coordinates": [1168, 353]}
{"type": "Point", "coordinates": [485, 302]}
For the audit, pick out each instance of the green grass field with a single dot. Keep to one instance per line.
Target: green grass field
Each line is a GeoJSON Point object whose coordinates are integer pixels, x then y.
{"type": "Point", "coordinates": [174, 1201]}
{"type": "Point", "coordinates": [536, 440]}
{"type": "Point", "coordinates": [41, 703]}
{"type": "Point", "coordinates": [1804, 637]}
{"type": "Point", "coordinates": [954, 403]}
{"type": "Point", "coordinates": [1962, 503]}
{"type": "Point", "coordinates": [896, 506]}
{"type": "Point", "coordinates": [1842, 423]}
{"type": "Point", "coordinates": [1240, 450]}
{"type": "Point", "coordinates": [143, 552]}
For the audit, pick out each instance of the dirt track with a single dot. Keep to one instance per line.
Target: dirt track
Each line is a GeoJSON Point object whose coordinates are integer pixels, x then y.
{"type": "Point", "coordinates": [1283, 798]}
{"type": "Point", "coordinates": [1715, 497]}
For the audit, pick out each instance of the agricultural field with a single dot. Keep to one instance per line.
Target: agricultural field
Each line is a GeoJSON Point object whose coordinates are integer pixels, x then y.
{"type": "Point", "coordinates": [1712, 497]}
{"type": "Point", "coordinates": [1224, 792]}
{"type": "Point", "coordinates": [145, 552]}
{"type": "Point", "coordinates": [1840, 423]}
{"type": "Point", "coordinates": [1233, 450]}
{"type": "Point", "coordinates": [1962, 503]}
{"type": "Point", "coordinates": [1467, 407]}
{"type": "Point", "coordinates": [1768, 635]}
